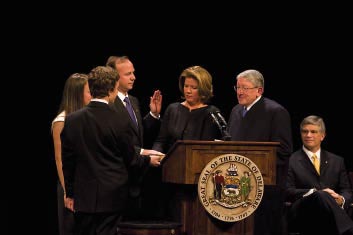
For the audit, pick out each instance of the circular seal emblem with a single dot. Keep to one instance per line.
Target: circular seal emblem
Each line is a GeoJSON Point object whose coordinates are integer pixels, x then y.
{"type": "Point", "coordinates": [230, 187]}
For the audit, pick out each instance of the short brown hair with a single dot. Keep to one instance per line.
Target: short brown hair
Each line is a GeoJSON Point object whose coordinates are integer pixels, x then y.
{"type": "Point", "coordinates": [101, 80]}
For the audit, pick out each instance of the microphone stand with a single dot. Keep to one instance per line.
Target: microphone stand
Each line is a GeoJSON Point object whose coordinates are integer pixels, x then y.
{"type": "Point", "coordinates": [225, 135]}
{"type": "Point", "coordinates": [222, 126]}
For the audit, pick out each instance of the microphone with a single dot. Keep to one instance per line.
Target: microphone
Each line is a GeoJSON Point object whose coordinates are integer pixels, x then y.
{"type": "Point", "coordinates": [219, 115]}
{"type": "Point", "coordinates": [215, 120]}
{"type": "Point", "coordinates": [221, 123]}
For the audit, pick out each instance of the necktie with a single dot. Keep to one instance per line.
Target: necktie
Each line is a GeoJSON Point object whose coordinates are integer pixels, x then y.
{"type": "Point", "coordinates": [130, 111]}
{"type": "Point", "coordinates": [244, 111]}
{"type": "Point", "coordinates": [316, 163]}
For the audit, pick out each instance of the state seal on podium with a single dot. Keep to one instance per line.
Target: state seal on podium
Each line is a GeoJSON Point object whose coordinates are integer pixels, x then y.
{"type": "Point", "coordinates": [230, 187]}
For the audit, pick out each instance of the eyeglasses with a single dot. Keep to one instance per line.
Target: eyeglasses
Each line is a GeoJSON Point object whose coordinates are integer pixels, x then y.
{"type": "Point", "coordinates": [244, 89]}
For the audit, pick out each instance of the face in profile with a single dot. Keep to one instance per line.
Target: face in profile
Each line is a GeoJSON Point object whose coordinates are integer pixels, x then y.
{"type": "Point", "coordinates": [127, 77]}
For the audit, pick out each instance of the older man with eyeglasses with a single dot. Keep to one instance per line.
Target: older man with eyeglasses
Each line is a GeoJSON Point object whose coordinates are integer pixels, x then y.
{"type": "Point", "coordinates": [257, 118]}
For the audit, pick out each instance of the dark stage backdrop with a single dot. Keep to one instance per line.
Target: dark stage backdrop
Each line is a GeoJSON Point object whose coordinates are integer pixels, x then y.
{"type": "Point", "coordinates": [306, 65]}
{"type": "Point", "coordinates": [305, 82]}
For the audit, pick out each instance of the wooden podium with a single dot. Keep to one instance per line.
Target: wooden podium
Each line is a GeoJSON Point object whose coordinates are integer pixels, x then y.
{"type": "Point", "coordinates": [182, 167]}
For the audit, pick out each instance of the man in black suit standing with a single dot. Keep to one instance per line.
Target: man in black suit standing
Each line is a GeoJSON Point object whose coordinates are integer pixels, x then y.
{"type": "Point", "coordinates": [318, 185]}
{"type": "Point", "coordinates": [257, 118]}
{"type": "Point", "coordinates": [148, 126]}
{"type": "Point", "coordinates": [98, 158]}
{"type": "Point", "coordinates": [145, 130]}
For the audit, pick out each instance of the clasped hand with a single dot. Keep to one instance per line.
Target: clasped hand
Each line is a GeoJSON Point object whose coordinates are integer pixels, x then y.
{"type": "Point", "coordinates": [156, 156]}
{"type": "Point", "coordinates": [338, 198]}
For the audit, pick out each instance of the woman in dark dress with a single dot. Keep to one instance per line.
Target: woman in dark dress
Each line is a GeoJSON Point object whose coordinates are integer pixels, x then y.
{"type": "Point", "coordinates": [190, 119]}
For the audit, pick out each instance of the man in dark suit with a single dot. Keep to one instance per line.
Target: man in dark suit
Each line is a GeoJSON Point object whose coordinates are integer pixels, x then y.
{"type": "Point", "coordinates": [98, 158]}
{"type": "Point", "coordinates": [144, 133]}
{"type": "Point", "coordinates": [319, 194]}
{"type": "Point", "coordinates": [257, 118]}
{"type": "Point", "coordinates": [148, 126]}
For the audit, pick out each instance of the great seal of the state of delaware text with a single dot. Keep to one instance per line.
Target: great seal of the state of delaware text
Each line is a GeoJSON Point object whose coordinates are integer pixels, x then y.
{"type": "Point", "coordinates": [230, 187]}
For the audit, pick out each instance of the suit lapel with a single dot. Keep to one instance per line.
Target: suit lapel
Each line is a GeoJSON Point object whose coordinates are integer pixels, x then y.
{"type": "Point", "coordinates": [121, 107]}
{"type": "Point", "coordinates": [323, 162]}
{"type": "Point", "coordinates": [305, 161]}
{"type": "Point", "coordinates": [137, 111]}
{"type": "Point", "coordinates": [136, 108]}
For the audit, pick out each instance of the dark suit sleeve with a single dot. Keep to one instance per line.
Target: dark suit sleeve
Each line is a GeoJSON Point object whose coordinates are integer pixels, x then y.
{"type": "Point", "coordinates": [151, 128]}
{"type": "Point", "coordinates": [282, 132]}
{"type": "Point", "coordinates": [163, 139]}
{"type": "Point", "coordinates": [137, 164]}
{"type": "Point", "coordinates": [133, 160]}
{"type": "Point", "coordinates": [345, 187]}
{"type": "Point", "coordinates": [292, 192]}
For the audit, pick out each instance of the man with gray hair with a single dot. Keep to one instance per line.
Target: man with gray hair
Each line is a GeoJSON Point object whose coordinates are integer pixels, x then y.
{"type": "Point", "coordinates": [317, 185]}
{"type": "Point", "coordinates": [257, 118]}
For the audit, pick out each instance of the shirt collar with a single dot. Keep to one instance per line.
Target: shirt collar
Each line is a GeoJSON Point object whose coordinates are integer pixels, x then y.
{"type": "Point", "coordinates": [122, 96]}
{"type": "Point", "coordinates": [255, 101]}
{"type": "Point", "coordinates": [100, 100]}
{"type": "Point", "coordinates": [310, 154]}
